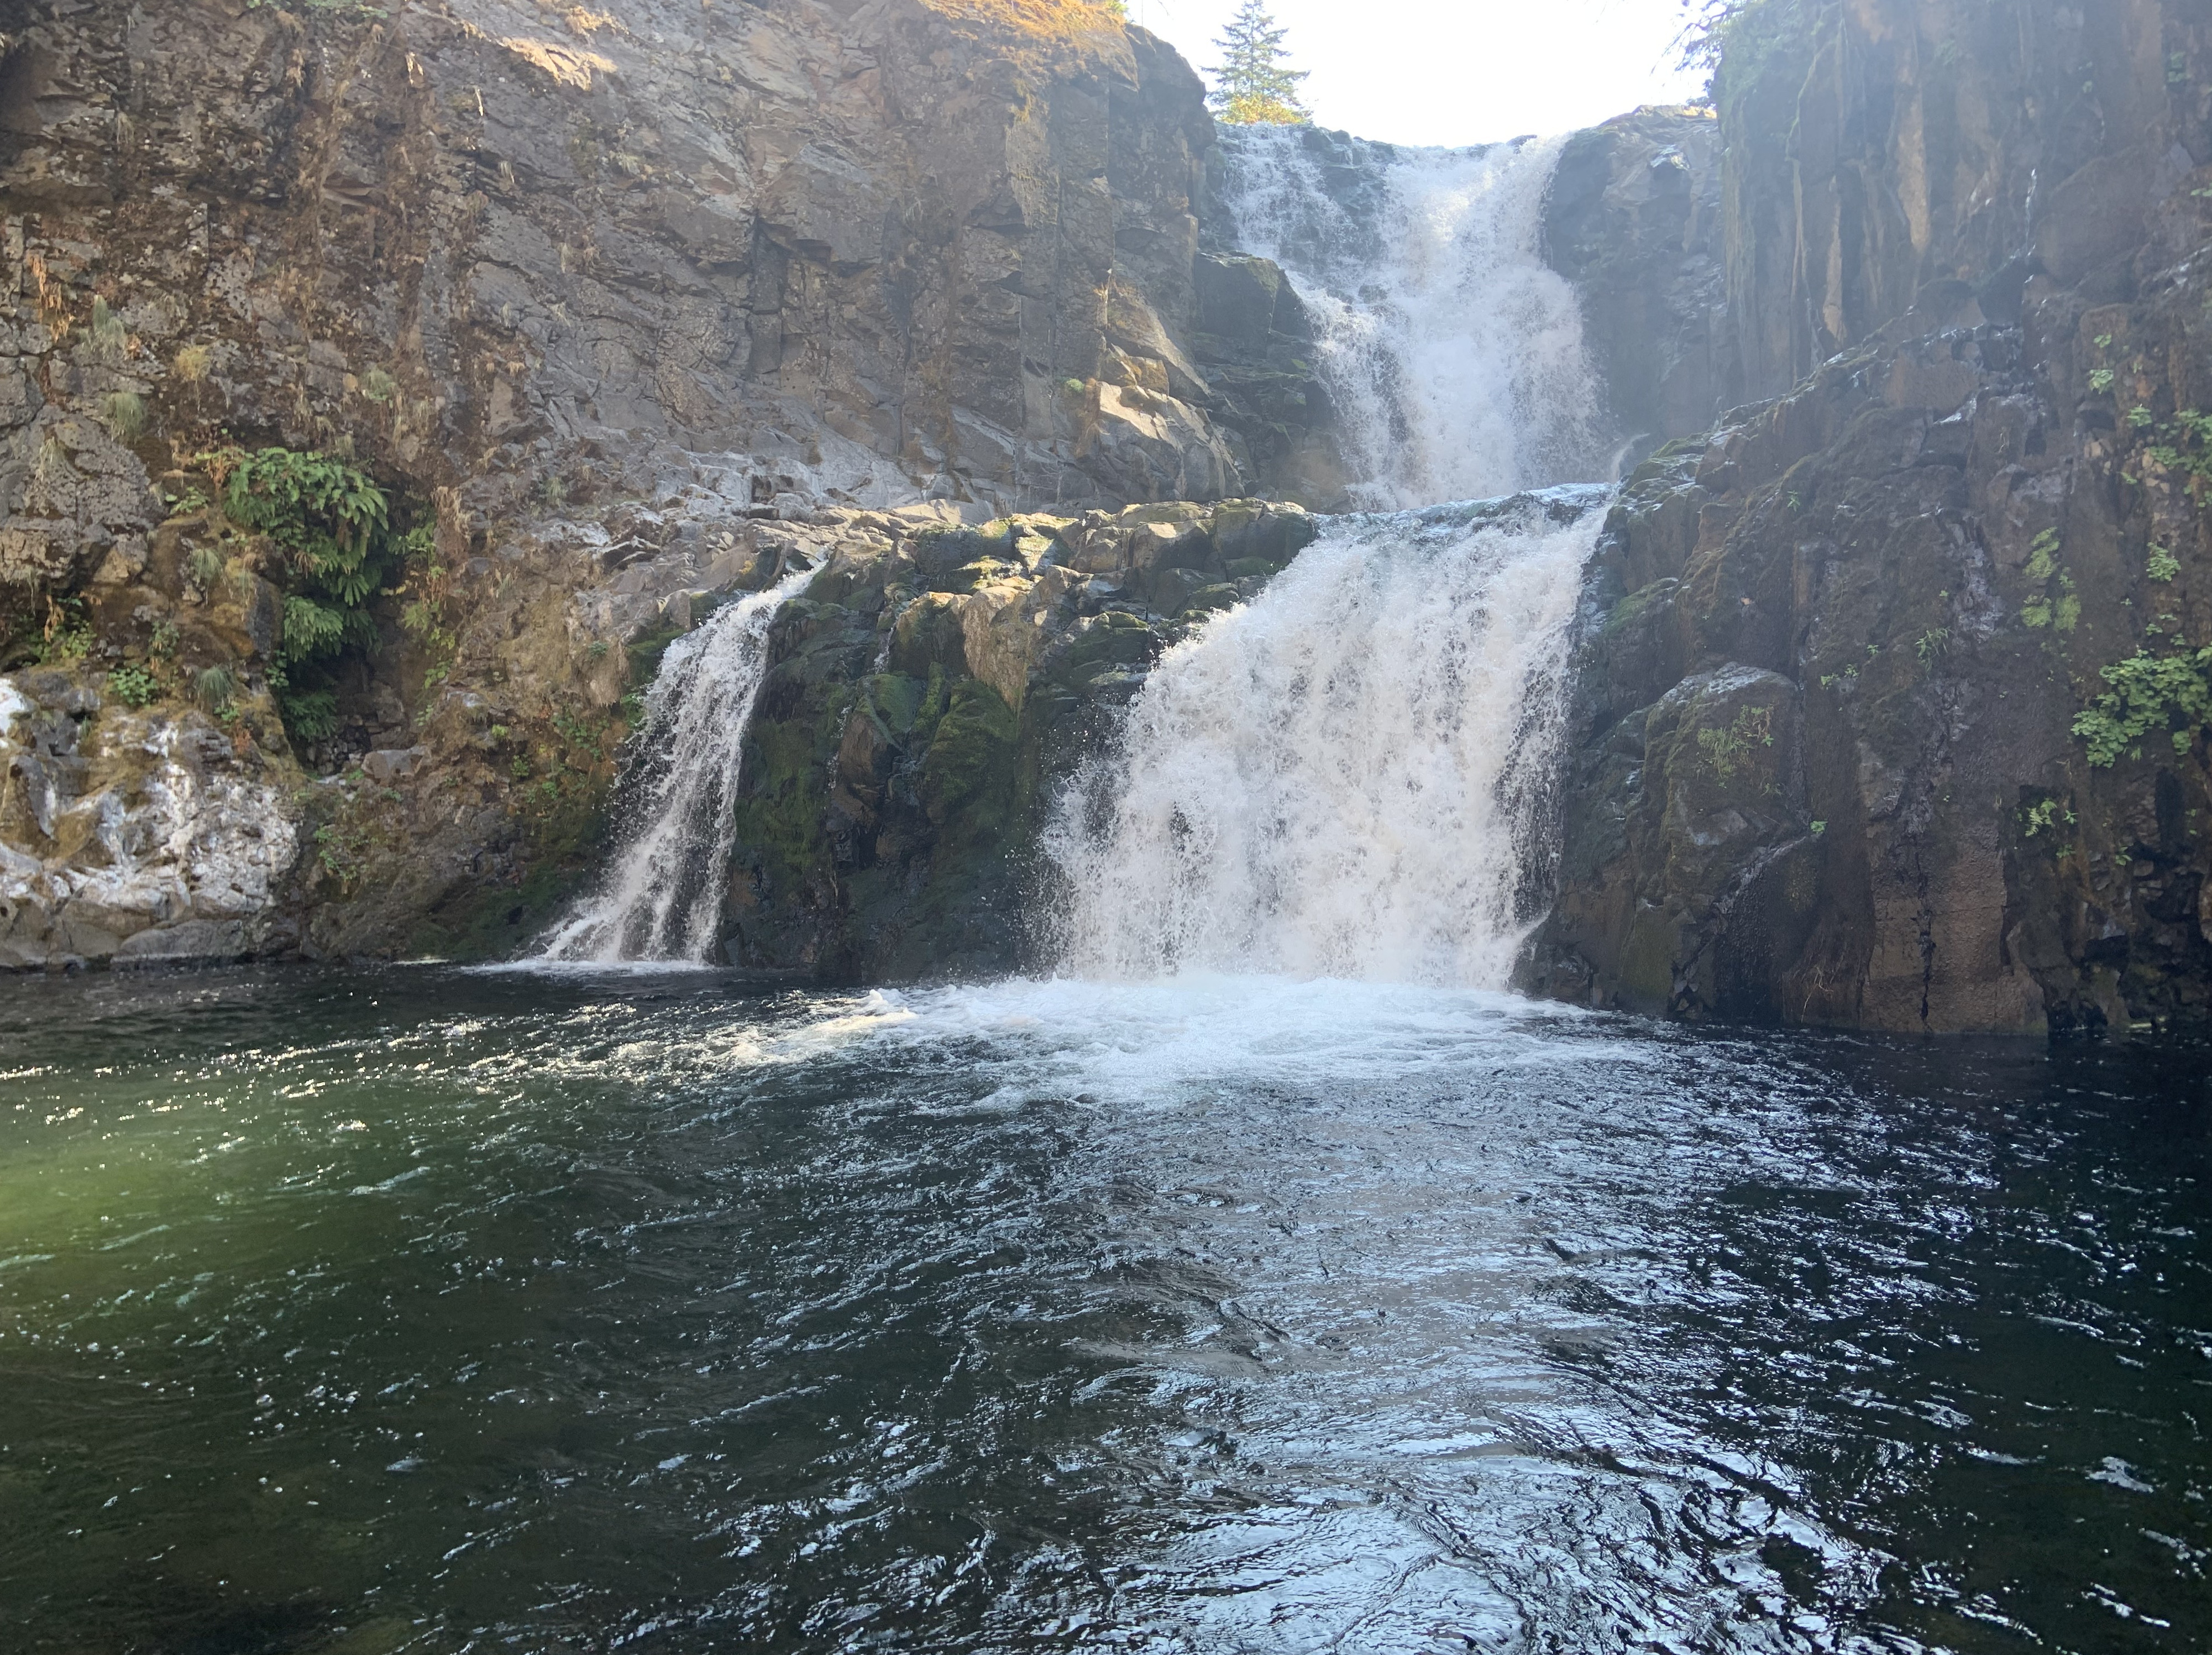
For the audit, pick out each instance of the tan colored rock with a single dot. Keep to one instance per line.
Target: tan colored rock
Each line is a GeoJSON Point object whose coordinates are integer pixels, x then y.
{"type": "Point", "coordinates": [1005, 624]}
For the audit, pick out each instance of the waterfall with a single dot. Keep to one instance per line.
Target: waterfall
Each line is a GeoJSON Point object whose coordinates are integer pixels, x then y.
{"type": "Point", "coordinates": [661, 896]}
{"type": "Point", "coordinates": [1452, 354]}
{"type": "Point", "coordinates": [1347, 778]}
{"type": "Point", "coordinates": [1343, 777]}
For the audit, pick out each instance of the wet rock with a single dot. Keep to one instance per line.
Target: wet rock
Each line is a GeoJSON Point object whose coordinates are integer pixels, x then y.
{"type": "Point", "coordinates": [1634, 220]}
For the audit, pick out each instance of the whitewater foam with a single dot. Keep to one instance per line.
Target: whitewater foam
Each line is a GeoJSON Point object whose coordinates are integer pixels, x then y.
{"type": "Point", "coordinates": [1343, 777]}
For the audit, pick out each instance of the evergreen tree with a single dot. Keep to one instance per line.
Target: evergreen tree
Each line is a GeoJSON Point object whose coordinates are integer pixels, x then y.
{"type": "Point", "coordinates": [1252, 82]}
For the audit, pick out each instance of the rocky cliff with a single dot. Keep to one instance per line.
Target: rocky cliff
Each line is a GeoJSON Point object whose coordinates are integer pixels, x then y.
{"type": "Point", "coordinates": [596, 297]}
{"type": "Point", "coordinates": [527, 249]}
{"type": "Point", "coordinates": [925, 698]}
{"type": "Point", "coordinates": [1892, 712]}
{"type": "Point", "coordinates": [1634, 219]}
{"type": "Point", "coordinates": [1892, 690]}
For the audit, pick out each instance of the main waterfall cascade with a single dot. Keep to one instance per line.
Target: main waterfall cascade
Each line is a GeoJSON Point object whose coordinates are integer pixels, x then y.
{"type": "Point", "coordinates": [661, 898]}
{"type": "Point", "coordinates": [1452, 353]}
{"type": "Point", "coordinates": [1341, 779]}
{"type": "Point", "coordinates": [1345, 777]}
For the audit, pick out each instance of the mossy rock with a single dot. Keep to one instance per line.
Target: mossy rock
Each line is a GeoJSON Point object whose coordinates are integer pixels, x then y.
{"type": "Point", "coordinates": [971, 760]}
{"type": "Point", "coordinates": [1209, 600]}
{"type": "Point", "coordinates": [1117, 638]}
{"type": "Point", "coordinates": [645, 651]}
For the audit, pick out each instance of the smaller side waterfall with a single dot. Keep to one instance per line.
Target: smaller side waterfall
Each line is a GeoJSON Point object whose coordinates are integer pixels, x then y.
{"type": "Point", "coordinates": [661, 898]}
{"type": "Point", "coordinates": [1345, 777]}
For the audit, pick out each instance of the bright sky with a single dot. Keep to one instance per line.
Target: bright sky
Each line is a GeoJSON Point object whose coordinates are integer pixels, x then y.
{"type": "Point", "coordinates": [1434, 71]}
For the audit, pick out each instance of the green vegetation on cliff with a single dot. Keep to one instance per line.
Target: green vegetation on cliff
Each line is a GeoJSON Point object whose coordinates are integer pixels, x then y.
{"type": "Point", "coordinates": [2150, 694]}
{"type": "Point", "coordinates": [332, 527]}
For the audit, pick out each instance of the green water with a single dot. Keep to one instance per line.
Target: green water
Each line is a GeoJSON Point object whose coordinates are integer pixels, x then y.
{"type": "Point", "coordinates": [432, 1311]}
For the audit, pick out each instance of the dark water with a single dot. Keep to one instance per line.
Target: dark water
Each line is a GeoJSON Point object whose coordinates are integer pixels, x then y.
{"type": "Point", "coordinates": [432, 1312]}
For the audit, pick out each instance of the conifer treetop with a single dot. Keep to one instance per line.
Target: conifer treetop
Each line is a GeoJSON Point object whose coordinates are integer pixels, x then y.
{"type": "Point", "coordinates": [1252, 82]}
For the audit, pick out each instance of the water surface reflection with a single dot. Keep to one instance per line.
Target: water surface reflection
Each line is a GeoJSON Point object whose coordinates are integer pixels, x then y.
{"type": "Point", "coordinates": [426, 1310]}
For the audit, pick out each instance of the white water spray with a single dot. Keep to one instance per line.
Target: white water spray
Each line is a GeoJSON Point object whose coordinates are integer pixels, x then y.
{"type": "Point", "coordinates": [1341, 778]}
{"type": "Point", "coordinates": [1452, 353]}
{"type": "Point", "coordinates": [661, 898]}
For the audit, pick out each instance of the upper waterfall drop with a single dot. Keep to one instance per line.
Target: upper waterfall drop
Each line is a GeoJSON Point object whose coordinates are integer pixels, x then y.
{"type": "Point", "coordinates": [1452, 353]}
{"type": "Point", "coordinates": [661, 896]}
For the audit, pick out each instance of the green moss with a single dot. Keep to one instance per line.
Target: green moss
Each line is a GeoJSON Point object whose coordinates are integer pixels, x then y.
{"type": "Point", "coordinates": [1117, 638]}
{"type": "Point", "coordinates": [897, 700]}
{"type": "Point", "coordinates": [646, 650]}
{"type": "Point", "coordinates": [1207, 599]}
{"type": "Point", "coordinates": [949, 557]}
{"type": "Point", "coordinates": [1626, 611]}
{"type": "Point", "coordinates": [969, 758]}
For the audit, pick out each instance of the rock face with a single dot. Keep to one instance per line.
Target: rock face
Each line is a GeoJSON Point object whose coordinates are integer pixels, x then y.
{"type": "Point", "coordinates": [1883, 158]}
{"type": "Point", "coordinates": [1634, 222]}
{"type": "Point", "coordinates": [1855, 747]}
{"type": "Point", "coordinates": [613, 296]}
{"type": "Point", "coordinates": [163, 849]}
{"type": "Point", "coordinates": [513, 248]}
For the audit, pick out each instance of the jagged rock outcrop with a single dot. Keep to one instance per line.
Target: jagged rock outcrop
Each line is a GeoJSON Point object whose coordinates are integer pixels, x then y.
{"type": "Point", "coordinates": [1833, 655]}
{"type": "Point", "coordinates": [1634, 219]}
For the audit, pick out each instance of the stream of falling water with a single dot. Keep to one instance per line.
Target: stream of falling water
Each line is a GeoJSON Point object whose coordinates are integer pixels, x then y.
{"type": "Point", "coordinates": [1346, 777]}
{"type": "Point", "coordinates": [1341, 778]}
{"type": "Point", "coordinates": [1453, 354]}
{"type": "Point", "coordinates": [661, 896]}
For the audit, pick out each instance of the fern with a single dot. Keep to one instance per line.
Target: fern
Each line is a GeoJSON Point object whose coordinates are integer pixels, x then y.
{"type": "Point", "coordinates": [309, 715]}
{"type": "Point", "coordinates": [334, 527]}
{"type": "Point", "coordinates": [311, 630]}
